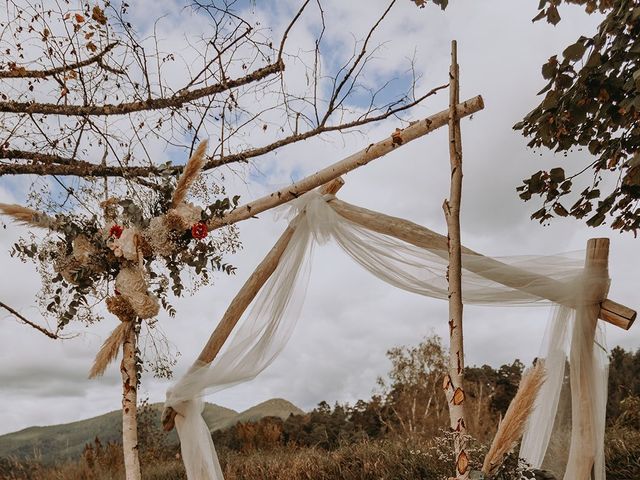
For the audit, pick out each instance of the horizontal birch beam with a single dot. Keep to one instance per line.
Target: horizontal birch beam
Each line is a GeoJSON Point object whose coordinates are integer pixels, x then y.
{"type": "Point", "coordinates": [375, 150]}
{"type": "Point", "coordinates": [610, 311]}
{"type": "Point", "coordinates": [243, 299]}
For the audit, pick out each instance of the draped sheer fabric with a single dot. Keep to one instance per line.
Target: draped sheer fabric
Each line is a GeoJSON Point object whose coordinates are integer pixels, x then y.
{"type": "Point", "coordinates": [265, 329]}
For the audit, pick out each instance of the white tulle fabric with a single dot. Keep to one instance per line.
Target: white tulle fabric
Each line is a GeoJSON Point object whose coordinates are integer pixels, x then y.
{"type": "Point", "coordinates": [265, 329]}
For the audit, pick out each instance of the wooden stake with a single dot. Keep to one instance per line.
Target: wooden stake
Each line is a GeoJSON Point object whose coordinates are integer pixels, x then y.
{"type": "Point", "coordinates": [581, 362]}
{"type": "Point", "coordinates": [538, 285]}
{"type": "Point", "coordinates": [453, 383]}
{"type": "Point", "coordinates": [373, 151]}
{"type": "Point", "coordinates": [617, 314]}
{"type": "Point", "coordinates": [129, 407]}
{"type": "Point", "coordinates": [243, 299]}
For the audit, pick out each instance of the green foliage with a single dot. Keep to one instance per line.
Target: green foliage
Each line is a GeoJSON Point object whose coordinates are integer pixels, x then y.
{"type": "Point", "coordinates": [411, 404]}
{"type": "Point", "coordinates": [66, 297]}
{"type": "Point", "coordinates": [489, 392]}
{"type": "Point", "coordinates": [591, 102]}
{"type": "Point", "coordinates": [412, 396]}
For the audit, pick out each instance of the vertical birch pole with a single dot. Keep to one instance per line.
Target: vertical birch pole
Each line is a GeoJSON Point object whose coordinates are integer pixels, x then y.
{"type": "Point", "coordinates": [584, 420]}
{"type": "Point", "coordinates": [129, 405]}
{"type": "Point", "coordinates": [452, 385]}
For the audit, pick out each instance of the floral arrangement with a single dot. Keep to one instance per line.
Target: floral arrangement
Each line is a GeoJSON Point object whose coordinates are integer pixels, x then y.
{"type": "Point", "coordinates": [128, 260]}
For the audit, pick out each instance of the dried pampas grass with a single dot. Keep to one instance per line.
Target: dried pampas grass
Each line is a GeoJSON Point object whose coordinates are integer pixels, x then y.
{"type": "Point", "coordinates": [26, 216]}
{"type": "Point", "coordinates": [132, 286]}
{"type": "Point", "coordinates": [110, 209]}
{"type": "Point", "coordinates": [120, 307]}
{"type": "Point", "coordinates": [184, 216]}
{"type": "Point", "coordinates": [158, 237]}
{"type": "Point", "coordinates": [189, 174]}
{"type": "Point", "coordinates": [110, 348]}
{"type": "Point", "coordinates": [512, 425]}
{"type": "Point", "coordinates": [83, 250]}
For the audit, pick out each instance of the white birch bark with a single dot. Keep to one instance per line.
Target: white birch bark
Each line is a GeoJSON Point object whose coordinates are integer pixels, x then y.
{"type": "Point", "coordinates": [129, 407]}
{"type": "Point", "coordinates": [583, 383]}
{"type": "Point", "coordinates": [453, 384]}
{"type": "Point", "coordinates": [398, 138]}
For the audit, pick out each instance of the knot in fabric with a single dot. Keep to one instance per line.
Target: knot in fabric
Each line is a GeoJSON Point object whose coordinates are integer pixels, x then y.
{"type": "Point", "coordinates": [319, 218]}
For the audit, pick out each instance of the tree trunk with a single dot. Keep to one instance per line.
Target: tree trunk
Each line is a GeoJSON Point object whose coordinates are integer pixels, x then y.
{"type": "Point", "coordinates": [453, 385]}
{"type": "Point", "coordinates": [129, 406]}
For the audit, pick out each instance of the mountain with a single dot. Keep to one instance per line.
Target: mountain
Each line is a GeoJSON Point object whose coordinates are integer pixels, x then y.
{"type": "Point", "coordinates": [217, 417]}
{"type": "Point", "coordinates": [59, 442]}
{"type": "Point", "coordinates": [65, 440]}
{"type": "Point", "coordinates": [276, 407]}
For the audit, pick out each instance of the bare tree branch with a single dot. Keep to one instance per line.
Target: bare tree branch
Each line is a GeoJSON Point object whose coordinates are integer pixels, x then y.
{"type": "Point", "coordinates": [174, 101]}
{"type": "Point", "coordinates": [43, 330]}
{"type": "Point", "coordinates": [19, 72]}
{"type": "Point", "coordinates": [43, 158]}
{"type": "Point", "coordinates": [289, 27]}
{"type": "Point", "coordinates": [349, 74]}
{"type": "Point", "coordinates": [54, 165]}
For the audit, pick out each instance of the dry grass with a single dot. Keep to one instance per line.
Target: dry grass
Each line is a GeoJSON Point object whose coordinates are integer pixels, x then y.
{"type": "Point", "coordinates": [512, 426]}
{"type": "Point", "coordinates": [363, 460]}
{"type": "Point", "coordinates": [366, 460]}
{"type": "Point", "coordinates": [391, 458]}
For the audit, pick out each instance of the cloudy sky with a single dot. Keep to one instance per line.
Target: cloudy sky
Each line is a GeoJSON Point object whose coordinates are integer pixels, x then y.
{"type": "Point", "coordinates": [349, 319]}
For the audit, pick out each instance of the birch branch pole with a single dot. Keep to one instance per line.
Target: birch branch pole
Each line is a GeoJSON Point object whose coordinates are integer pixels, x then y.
{"type": "Point", "coordinates": [375, 150]}
{"type": "Point", "coordinates": [453, 386]}
{"type": "Point", "coordinates": [584, 435]}
{"type": "Point", "coordinates": [243, 299]}
{"type": "Point", "coordinates": [130, 406]}
{"type": "Point", "coordinates": [538, 285]}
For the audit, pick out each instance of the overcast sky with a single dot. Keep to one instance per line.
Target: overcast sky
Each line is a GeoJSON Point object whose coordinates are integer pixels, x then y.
{"type": "Point", "coordinates": [350, 319]}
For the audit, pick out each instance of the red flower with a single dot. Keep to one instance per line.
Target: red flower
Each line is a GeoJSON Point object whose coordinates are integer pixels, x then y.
{"type": "Point", "coordinates": [199, 230]}
{"type": "Point", "coordinates": [116, 231]}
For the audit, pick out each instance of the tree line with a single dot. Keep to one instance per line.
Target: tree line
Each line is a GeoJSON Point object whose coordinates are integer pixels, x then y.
{"type": "Point", "coordinates": [410, 403]}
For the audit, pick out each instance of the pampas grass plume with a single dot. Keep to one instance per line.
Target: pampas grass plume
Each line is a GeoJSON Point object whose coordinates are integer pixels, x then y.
{"type": "Point", "coordinates": [26, 216]}
{"type": "Point", "coordinates": [110, 348]}
{"type": "Point", "coordinates": [512, 426]}
{"type": "Point", "coordinates": [189, 174]}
